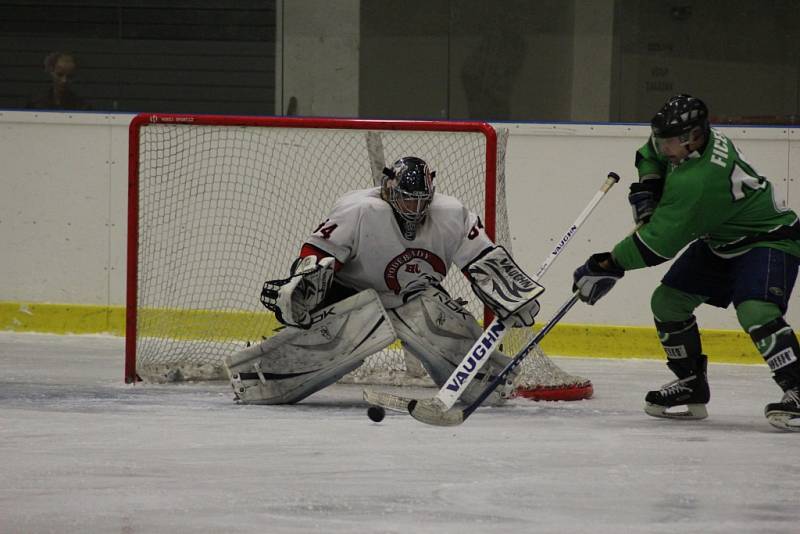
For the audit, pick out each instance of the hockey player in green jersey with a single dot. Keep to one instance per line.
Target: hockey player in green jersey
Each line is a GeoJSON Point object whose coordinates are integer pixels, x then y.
{"type": "Point", "coordinates": [695, 188]}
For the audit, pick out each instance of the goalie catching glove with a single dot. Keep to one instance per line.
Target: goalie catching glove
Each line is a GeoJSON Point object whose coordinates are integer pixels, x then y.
{"type": "Point", "coordinates": [504, 287]}
{"type": "Point", "coordinates": [293, 299]}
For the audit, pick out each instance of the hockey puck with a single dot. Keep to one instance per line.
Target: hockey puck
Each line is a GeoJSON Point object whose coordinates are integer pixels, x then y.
{"type": "Point", "coordinates": [376, 413]}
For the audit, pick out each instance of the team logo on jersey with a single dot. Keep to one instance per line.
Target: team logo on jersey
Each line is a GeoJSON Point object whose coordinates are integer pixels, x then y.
{"type": "Point", "coordinates": [412, 266]}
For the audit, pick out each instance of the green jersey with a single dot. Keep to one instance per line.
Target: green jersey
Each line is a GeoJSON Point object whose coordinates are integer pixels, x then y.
{"type": "Point", "coordinates": [716, 196]}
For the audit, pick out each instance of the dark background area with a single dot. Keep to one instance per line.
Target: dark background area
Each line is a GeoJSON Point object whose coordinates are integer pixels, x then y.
{"type": "Point", "coordinates": [176, 56]}
{"type": "Point", "coordinates": [515, 60]}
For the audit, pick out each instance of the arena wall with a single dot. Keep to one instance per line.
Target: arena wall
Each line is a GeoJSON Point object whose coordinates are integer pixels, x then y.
{"type": "Point", "coordinates": [63, 206]}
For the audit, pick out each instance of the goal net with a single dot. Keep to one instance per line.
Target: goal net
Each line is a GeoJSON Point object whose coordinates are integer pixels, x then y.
{"type": "Point", "coordinates": [218, 205]}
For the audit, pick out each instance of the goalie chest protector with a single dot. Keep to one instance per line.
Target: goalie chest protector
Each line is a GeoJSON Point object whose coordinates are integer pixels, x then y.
{"type": "Point", "coordinates": [361, 232]}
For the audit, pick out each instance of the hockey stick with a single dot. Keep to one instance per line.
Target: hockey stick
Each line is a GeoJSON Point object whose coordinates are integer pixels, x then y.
{"type": "Point", "coordinates": [491, 338]}
{"type": "Point", "coordinates": [429, 410]}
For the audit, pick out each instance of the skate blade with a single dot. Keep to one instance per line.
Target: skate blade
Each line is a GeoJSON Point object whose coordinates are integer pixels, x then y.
{"type": "Point", "coordinates": [692, 411]}
{"type": "Point", "coordinates": [784, 421]}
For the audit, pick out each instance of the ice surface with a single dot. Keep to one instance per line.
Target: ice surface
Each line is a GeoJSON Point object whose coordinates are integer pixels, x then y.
{"type": "Point", "coordinates": [82, 452]}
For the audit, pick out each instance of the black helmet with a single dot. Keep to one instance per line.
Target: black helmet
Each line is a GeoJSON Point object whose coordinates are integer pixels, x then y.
{"type": "Point", "coordinates": [680, 115]}
{"type": "Point", "coordinates": [408, 187]}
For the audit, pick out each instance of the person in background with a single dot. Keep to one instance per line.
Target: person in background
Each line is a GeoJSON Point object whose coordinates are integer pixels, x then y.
{"type": "Point", "coordinates": [61, 67]}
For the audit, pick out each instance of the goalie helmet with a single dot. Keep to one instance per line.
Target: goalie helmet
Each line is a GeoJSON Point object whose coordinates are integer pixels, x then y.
{"type": "Point", "coordinates": [408, 188]}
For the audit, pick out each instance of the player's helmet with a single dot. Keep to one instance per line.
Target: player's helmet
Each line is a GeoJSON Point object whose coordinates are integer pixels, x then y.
{"type": "Point", "coordinates": [408, 187]}
{"type": "Point", "coordinates": [680, 115]}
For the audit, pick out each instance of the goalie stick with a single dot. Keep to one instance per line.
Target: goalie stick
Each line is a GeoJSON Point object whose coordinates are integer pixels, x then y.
{"type": "Point", "coordinates": [430, 410]}
{"type": "Point", "coordinates": [493, 336]}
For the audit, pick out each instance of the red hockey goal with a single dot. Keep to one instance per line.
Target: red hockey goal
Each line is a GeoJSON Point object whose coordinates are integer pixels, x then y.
{"type": "Point", "coordinates": [219, 204]}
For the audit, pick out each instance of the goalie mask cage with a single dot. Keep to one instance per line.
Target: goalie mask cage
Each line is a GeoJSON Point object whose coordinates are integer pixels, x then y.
{"type": "Point", "coordinates": [219, 204]}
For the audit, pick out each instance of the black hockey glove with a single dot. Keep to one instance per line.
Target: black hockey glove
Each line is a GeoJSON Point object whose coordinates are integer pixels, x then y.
{"type": "Point", "coordinates": [644, 197]}
{"type": "Point", "coordinates": [593, 280]}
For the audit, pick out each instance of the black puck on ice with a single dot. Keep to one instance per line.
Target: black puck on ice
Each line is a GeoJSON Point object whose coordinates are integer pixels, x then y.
{"type": "Point", "coordinates": [376, 413]}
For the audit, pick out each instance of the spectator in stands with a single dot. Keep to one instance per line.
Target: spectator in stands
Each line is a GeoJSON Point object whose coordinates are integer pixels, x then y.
{"type": "Point", "coordinates": [61, 67]}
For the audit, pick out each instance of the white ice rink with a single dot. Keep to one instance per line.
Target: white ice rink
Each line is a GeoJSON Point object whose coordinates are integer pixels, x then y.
{"type": "Point", "coordinates": [82, 452]}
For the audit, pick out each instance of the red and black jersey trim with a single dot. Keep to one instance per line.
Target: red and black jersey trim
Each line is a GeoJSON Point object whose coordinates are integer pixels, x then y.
{"type": "Point", "coordinates": [310, 250]}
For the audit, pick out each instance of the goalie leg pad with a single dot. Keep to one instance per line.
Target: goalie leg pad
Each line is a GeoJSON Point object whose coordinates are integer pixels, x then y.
{"type": "Point", "coordinates": [438, 332]}
{"type": "Point", "coordinates": [295, 363]}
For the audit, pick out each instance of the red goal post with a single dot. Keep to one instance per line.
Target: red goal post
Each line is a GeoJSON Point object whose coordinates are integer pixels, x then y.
{"type": "Point", "coordinates": [218, 204]}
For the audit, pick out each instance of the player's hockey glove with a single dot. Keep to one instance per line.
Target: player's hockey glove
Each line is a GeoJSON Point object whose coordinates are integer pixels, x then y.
{"type": "Point", "coordinates": [593, 280]}
{"type": "Point", "coordinates": [293, 299]}
{"type": "Point", "coordinates": [644, 197]}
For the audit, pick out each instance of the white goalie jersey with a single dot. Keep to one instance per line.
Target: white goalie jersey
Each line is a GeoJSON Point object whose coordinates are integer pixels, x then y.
{"type": "Point", "coordinates": [362, 234]}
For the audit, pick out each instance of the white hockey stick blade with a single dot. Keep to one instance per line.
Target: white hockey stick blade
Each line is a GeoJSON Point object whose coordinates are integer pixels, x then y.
{"type": "Point", "coordinates": [387, 400]}
{"type": "Point", "coordinates": [433, 412]}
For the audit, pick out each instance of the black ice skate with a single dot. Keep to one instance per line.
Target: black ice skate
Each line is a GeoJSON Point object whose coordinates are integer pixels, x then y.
{"type": "Point", "coordinates": [786, 413]}
{"type": "Point", "coordinates": [689, 390]}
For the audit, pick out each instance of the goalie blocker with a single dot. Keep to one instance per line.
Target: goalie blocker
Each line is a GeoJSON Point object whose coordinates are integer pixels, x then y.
{"type": "Point", "coordinates": [504, 287]}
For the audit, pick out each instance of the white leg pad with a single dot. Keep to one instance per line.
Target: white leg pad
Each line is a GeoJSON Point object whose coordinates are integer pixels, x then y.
{"type": "Point", "coordinates": [295, 363]}
{"type": "Point", "coordinates": [438, 332]}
